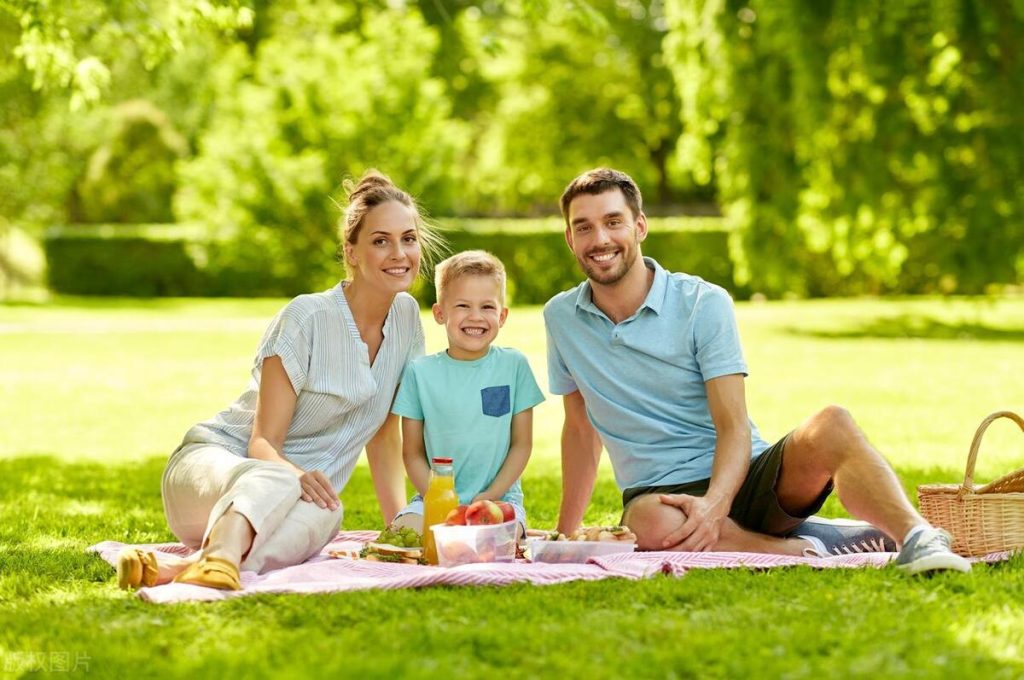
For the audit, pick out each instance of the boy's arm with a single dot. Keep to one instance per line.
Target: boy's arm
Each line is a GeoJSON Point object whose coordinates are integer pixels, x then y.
{"type": "Point", "coordinates": [414, 454]}
{"type": "Point", "coordinates": [515, 462]}
{"type": "Point", "coordinates": [383, 453]}
{"type": "Point", "coordinates": [581, 453]}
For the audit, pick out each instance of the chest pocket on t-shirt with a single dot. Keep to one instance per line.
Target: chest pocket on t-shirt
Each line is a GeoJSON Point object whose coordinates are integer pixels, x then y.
{"type": "Point", "coordinates": [495, 400]}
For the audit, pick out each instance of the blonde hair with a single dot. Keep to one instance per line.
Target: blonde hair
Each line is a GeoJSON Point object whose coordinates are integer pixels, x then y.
{"type": "Point", "coordinates": [469, 263]}
{"type": "Point", "coordinates": [375, 188]}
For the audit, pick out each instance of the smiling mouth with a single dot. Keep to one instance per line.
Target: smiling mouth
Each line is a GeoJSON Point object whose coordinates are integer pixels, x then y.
{"type": "Point", "coordinates": [606, 256]}
{"type": "Point", "coordinates": [397, 271]}
{"type": "Point", "coordinates": [474, 331]}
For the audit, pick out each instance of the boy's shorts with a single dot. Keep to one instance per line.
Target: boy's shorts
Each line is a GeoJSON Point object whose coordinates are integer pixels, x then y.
{"type": "Point", "coordinates": [415, 507]}
{"type": "Point", "coordinates": [756, 506]}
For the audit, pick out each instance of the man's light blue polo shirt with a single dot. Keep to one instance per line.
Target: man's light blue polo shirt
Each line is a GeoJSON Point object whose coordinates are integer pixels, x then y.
{"type": "Point", "coordinates": [643, 379]}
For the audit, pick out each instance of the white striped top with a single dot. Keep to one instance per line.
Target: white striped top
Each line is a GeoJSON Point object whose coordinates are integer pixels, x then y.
{"type": "Point", "coordinates": [342, 399]}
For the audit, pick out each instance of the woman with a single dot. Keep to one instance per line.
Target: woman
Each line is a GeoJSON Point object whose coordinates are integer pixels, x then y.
{"type": "Point", "coordinates": [256, 487]}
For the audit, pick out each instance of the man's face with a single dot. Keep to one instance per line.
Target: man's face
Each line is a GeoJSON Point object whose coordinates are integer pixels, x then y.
{"type": "Point", "coordinates": [604, 235]}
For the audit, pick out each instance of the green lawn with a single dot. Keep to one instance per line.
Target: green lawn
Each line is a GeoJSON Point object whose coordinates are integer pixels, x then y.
{"type": "Point", "coordinates": [95, 394]}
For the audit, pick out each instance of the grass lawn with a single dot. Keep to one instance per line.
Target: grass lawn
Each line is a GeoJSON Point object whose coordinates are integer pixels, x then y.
{"type": "Point", "coordinates": [95, 394]}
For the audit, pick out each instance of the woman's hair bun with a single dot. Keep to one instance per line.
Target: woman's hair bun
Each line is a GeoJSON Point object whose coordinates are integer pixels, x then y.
{"type": "Point", "coordinates": [371, 179]}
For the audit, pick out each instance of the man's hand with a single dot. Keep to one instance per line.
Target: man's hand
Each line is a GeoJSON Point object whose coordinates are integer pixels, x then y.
{"type": "Point", "coordinates": [316, 488]}
{"type": "Point", "coordinates": [704, 517]}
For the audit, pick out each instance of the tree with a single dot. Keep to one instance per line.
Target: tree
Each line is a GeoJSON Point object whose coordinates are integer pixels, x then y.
{"type": "Point", "coordinates": [70, 44]}
{"type": "Point", "coordinates": [576, 88]}
{"type": "Point", "coordinates": [131, 177]}
{"type": "Point", "coordinates": [860, 146]}
{"type": "Point", "coordinates": [330, 91]}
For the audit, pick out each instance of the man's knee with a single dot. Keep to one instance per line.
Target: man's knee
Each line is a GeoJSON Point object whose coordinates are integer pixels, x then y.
{"type": "Point", "coordinates": [835, 419]}
{"type": "Point", "coordinates": [651, 521]}
{"type": "Point", "coordinates": [832, 431]}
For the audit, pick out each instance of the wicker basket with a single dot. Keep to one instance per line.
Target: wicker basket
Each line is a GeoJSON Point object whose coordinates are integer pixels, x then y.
{"type": "Point", "coordinates": [982, 519]}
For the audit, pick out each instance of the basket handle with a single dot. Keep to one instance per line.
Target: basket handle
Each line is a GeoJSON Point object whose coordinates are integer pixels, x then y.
{"type": "Point", "coordinates": [968, 485]}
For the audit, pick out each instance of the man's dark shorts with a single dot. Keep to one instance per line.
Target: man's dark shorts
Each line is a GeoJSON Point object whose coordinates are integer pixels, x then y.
{"type": "Point", "coordinates": [756, 506]}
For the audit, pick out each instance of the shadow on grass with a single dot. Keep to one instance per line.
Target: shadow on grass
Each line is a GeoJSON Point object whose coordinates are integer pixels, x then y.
{"type": "Point", "coordinates": [45, 500]}
{"type": "Point", "coordinates": [55, 599]}
{"type": "Point", "coordinates": [913, 326]}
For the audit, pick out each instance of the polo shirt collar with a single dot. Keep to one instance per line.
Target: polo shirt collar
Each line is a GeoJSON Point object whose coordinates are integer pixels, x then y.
{"type": "Point", "coordinates": [654, 301]}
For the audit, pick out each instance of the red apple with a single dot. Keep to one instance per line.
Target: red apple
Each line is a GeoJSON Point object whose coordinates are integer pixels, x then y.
{"type": "Point", "coordinates": [484, 512]}
{"type": "Point", "coordinates": [457, 516]}
{"type": "Point", "coordinates": [508, 512]}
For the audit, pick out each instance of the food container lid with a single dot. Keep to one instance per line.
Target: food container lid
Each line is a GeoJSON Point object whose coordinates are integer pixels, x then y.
{"type": "Point", "coordinates": [442, 461]}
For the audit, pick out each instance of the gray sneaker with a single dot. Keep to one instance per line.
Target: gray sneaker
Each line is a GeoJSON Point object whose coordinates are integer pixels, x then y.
{"type": "Point", "coordinates": [929, 550]}
{"type": "Point", "coordinates": [841, 537]}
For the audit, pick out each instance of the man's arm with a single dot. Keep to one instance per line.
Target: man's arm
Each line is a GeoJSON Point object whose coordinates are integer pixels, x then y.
{"type": "Point", "coordinates": [704, 515]}
{"type": "Point", "coordinates": [581, 453]}
{"type": "Point", "coordinates": [384, 454]}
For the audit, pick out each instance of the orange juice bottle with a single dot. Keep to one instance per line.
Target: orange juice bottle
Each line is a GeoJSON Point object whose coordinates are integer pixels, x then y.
{"type": "Point", "coordinates": [439, 500]}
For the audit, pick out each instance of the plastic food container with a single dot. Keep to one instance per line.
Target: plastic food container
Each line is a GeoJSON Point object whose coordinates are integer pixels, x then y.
{"type": "Point", "coordinates": [557, 552]}
{"type": "Point", "coordinates": [479, 543]}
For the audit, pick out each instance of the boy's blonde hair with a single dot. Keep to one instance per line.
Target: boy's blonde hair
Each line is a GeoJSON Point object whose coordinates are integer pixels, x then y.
{"type": "Point", "coordinates": [469, 263]}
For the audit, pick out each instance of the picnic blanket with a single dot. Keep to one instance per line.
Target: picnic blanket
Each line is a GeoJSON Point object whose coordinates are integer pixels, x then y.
{"type": "Point", "coordinates": [324, 574]}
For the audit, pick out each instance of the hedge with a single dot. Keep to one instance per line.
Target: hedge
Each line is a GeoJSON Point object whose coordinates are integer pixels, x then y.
{"type": "Point", "coordinates": [540, 264]}
{"type": "Point", "coordinates": [165, 260]}
{"type": "Point", "coordinates": [128, 266]}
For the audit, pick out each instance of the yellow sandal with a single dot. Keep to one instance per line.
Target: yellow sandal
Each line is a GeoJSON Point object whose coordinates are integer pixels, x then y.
{"type": "Point", "coordinates": [212, 572]}
{"type": "Point", "coordinates": [136, 568]}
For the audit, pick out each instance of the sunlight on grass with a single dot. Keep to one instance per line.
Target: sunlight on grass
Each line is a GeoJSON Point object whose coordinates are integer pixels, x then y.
{"type": "Point", "coordinates": [86, 508]}
{"type": "Point", "coordinates": [50, 543]}
{"type": "Point", "coordinates": [147, 370]}
{"type": "Point", "coordinates": [999, 632]}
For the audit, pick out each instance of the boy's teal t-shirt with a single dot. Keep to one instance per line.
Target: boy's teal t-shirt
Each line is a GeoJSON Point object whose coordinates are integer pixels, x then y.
{"type": "Point", "coordinates": [467, 408]}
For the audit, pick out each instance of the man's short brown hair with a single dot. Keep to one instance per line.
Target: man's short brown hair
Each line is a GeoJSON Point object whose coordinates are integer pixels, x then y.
{"type": "Point", "coordinates": [469, 263]}
{"type": "Point", "coordinates": [598, 181]}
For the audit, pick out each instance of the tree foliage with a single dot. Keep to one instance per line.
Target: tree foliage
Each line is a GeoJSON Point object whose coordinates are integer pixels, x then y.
{"type": "Point", "coordinates": [131, 177]}
{"type": "Point", "coordinates": [71, 44]}
{"type": "Point", "coordinates": [332, 90]}
{"type": "Point", "coordinates": [859, 144]}
{"type": "Point", "coordinates": [575, 89]}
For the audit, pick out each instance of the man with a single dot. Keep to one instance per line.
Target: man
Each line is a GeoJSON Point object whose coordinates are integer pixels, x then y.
{"type": "Point", "coordinates": [649, 365]}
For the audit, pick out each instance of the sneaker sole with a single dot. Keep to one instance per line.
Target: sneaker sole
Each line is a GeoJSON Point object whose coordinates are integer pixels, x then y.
{"type": "Point", "coordinates": [936, 562]}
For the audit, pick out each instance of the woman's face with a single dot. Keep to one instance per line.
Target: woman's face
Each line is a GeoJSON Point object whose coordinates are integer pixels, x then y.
{"type": "Point", "coordinates": [386, 254]}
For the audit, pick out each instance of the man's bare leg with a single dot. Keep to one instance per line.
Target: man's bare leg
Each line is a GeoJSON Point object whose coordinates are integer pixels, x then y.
{"type": "Point", "coordinates": [651, 521]}
{"type": "Point", "coordinates": [830, 445]}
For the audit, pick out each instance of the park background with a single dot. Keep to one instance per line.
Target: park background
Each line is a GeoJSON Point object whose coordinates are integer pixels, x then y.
{"type": "Point", "coordinates": [169, 172]}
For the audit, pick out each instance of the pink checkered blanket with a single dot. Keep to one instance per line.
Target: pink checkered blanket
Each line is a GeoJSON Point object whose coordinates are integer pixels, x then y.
{"type": "Point", "coordinates": [324, 574]}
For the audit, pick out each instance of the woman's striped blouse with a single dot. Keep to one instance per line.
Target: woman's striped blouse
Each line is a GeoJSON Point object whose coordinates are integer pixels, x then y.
{"type": "Point", "coordinates": [342, 399]}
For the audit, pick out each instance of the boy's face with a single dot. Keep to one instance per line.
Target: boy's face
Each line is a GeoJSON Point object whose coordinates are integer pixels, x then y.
{"type": "Point", "coordinates": [471, 311]}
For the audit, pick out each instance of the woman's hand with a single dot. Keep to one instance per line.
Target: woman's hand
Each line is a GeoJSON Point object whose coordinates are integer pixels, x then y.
{"type": "Point", "coordinates": [316, 488]}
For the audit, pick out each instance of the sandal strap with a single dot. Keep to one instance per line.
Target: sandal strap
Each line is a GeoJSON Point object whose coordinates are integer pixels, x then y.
{"type": "Point", "coordinates": [199, 573]}
{"type": "Point", "coordinates": [150, 568]}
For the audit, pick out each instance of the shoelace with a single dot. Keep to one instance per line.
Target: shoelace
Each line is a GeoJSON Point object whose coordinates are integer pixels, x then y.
{"type": "Point", "coordinates": [867, 545]}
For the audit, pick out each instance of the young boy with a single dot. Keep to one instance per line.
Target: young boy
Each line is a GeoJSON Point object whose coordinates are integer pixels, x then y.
{"type": "Point", "coordinates": [473, 402]}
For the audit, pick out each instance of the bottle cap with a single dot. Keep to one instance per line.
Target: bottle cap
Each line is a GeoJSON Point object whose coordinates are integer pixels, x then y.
{"type": "Point", "coordinates": [441, 461]}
